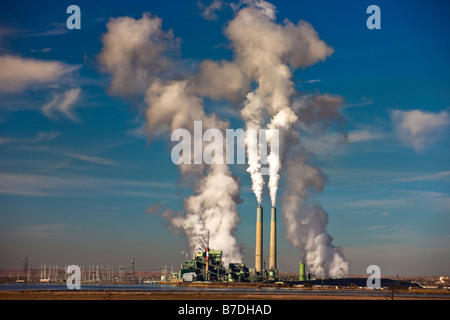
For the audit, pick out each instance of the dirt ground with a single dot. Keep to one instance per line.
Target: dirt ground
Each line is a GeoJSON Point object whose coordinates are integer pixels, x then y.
{"type": "Point", "coordinates": [140, 295]}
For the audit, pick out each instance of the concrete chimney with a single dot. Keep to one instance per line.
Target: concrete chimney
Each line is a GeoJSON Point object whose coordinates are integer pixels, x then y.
{"type": "Point", "coordinates": [273, 240]}
{"type": "Point", "coordinates": [259, 240]}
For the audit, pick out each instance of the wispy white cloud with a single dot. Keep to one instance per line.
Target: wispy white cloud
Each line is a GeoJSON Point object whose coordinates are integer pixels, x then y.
{"type": "Point", "coordinates": [30, 143]}
{"type": "Point", "coordinates": [48, 107]}
{"type": "Point", "coordinates": [138, 129]}
{"type": "Point", "coordinates": [73, 186]}
{"type": "Point", "coordinates": [92, 159]}
{"type": "Point", "coordinates": [312, 81]}
{"type": "Point", "coordinates": [44, 50]}
{"type": "Point", "coordinates": [364, 101]}
{"type": "Point", "coordinates": [64, 106]}
{"type": "Point", "coordinates": [146, 194]}
{"type": "Point", "coordinates": [369, 203]}
{"type": "Point", "coordinates": [417, 129]}
{"type": "Point", "coordinates": [424, 194]}
{"type": "Point", "coordinates": [333, 143]}
{"type": "Point", "coordinates": [375, 227]}
{"type": "Point", "coordinates": [432, 176]}
{"type": "Point", "coordinates": [19, 73]}
{"type": "Point", "coordinates": [209, 11]}
{"type": "Point", "coordinates": [137, 132]}
{"type": "Point", "coordinates": [363, 135]}
{"type": "Point", "coordinates": [55, 29]}
{"type": "Point", "coordinates": [43, 137]}
{"type": "Point", "coordinates": [28, 185]}
{"type": "Point", "coordinates": [327, 144]}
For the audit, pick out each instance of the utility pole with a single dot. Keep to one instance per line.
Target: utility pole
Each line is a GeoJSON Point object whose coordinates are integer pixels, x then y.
{"type": "Point", "coordinates": [207, 258]}
{"type": "Point", "coordinates": [134, 270]}
{"type": "Point", "coordinates": [263, 271]}
{"type": "Point", "coordinates": [26, 268]}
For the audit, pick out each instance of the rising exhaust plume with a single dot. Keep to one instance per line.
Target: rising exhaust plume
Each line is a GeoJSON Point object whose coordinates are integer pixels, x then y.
{"type": "Point", "coordinates": [263, 51]}
{"type": "Point", "coordinates": [138, 55]}
{"type": "Point", "coordinates": [267, 52]}
{"type": "Point", "coordinates": [305, 223]}
{"type": "Point", "coordinates": [251, 113]}
{"type": "Point", "coordinates": [134, 53]}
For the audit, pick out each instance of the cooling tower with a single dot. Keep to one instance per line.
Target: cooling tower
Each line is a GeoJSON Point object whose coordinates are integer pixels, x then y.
{"type": "Point", "coordinates": [273, 240]}
{"type": "Point", "coordinates": [259, 241]}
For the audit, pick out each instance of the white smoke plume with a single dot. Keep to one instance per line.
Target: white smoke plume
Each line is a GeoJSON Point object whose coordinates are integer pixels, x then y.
{"type": "Point", "coordinates": [134, 54]}
{"type": "Point", "coordinates": [263, 51]}
{"type": "Point", "coordinates": [213, 206]}
{"type": "Point", "coordinates": [252, 114]}
{"type": "Point", "coordinates": [305, 223]}
{"type": "Point", "coordinates": [265, 54]}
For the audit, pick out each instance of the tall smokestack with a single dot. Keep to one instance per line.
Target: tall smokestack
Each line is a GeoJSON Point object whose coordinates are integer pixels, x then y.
{"type": "Point", "coordinates": [273, 240]}
{"type": "Point", "coordinates": [259, 242]}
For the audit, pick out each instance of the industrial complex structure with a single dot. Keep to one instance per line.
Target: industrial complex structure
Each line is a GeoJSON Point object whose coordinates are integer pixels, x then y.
{"type": "Point", "coordinates": [206, 264]}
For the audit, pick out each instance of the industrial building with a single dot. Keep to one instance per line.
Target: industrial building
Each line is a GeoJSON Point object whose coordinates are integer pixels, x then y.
{"type": "Point", "coordinates": [206, 264]}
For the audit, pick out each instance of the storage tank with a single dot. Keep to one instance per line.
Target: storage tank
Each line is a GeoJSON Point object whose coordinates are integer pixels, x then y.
{"type": "Point", "coordinates": [302, 272]}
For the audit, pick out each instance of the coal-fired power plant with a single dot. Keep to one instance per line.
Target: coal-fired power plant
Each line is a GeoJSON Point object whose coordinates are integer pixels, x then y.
{"type": "Point", "coordinates": [206, 264]}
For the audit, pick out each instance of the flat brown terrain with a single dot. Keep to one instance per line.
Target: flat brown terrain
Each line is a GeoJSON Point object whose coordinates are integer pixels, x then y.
{"type": "Point", "coordinates": [140, 295]}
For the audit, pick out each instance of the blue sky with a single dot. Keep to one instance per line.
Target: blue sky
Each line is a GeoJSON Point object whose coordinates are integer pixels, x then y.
{"type": "Point", "coordinates": [77, 175]}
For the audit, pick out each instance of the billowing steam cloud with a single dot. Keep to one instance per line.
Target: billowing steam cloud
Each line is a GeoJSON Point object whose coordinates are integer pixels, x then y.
{"type": "Point", "coordinates": [213, 207]}
{"type": "Point", "coordinates": [133, 53]}
{"type": "Point", "coordinates": [259, 78]}
{"type": "Point", "coordinates": [266, 52]}
{"type": "Point", "coordinates": [306, 223]}
{"type": "Point", "coordinates": [263, 51]}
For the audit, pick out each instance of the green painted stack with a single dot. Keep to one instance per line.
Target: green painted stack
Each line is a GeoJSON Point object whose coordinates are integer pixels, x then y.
{"type": "Point", "coordinates": [302, 272]}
